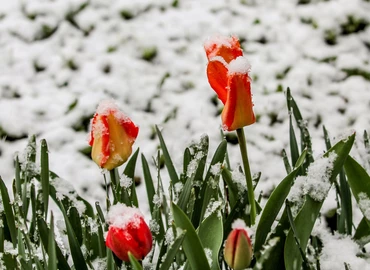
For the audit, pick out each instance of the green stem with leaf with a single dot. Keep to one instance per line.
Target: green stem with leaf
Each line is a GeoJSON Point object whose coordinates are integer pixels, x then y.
{"type": "Point", "coordinates": [247, 172]}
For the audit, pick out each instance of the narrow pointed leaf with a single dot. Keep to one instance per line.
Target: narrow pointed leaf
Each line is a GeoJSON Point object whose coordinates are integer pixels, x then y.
{"type": "Point", "coordinates": [167, 158]}
{"type": "Point", "coordinates": [211, 236]}
{"type": "Point", "coordinates": [45, 176]}
{"type": "Point", "coordinates": [172, 251]}
{"type": "Point", "coordinates": [77, 256]}
{"type": "Point", "coordinates": [359, 181]}
{"type": "Point", "coordinates": [274, 204]}
{"type": "Point", "coordinates": [308, 214]}
{"type": "Point", "coordinates": [8, 212]}
{"type": "Point", "coordinates": [130, 172]}
{"type": "Point", "coordinates": [192, 245]}
{"type": "Point", "coordinates": [134, 263]}
{"type": "Point", "coordinates": [52, 262]}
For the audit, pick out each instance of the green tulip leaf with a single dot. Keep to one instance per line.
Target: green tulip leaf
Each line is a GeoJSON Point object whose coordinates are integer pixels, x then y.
{"type": "Point", "coordinates": [192, 245]}
{"type": "Point", "coordinates": [134, 263]}
{"type": "Point", "coordinates": [167, 158]}
{"type": "Point", "coordinates": [359, 181]}
{"type": "Point", "coordinates": [172, 251]}
{"type": "Point", "coordinates": [305, 220]}
{"type": "Point", "coordinates": [274, 204]}
{"type": "Point", "coordinates": [211, 236]}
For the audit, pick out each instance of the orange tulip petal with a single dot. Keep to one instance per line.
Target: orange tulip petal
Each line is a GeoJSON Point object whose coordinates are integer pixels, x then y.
{"type": "Point", "coordinates": [217, 77]}
{"type": "Point", "coordinates": [226, 47]}
{"type": "Point", "coordinates": [238, 111]}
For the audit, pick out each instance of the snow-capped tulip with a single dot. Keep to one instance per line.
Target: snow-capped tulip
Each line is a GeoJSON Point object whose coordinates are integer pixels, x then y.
{"type": "Point", "coordinates": [111, 137]}
{"type": "Point", "coordinates": [238, 249]}
{"type": "Point", "coordinates": [226, 47]}
{"type": "Point", "coordinates": [128, 232]}
{"type": "Point", "coordinates": [228, 75]}
{"type": "Point", "coordinates": [232, 85]}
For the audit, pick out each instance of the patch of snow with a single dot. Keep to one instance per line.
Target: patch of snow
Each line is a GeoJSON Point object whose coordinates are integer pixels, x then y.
{"type": "Point", "coordinates": [125, 181]}
{"type": "Point", "coordinates": [120, 216]}
{"type": "Point", "coordinates": [239, 65]}
{"type": "Point", "coordinates": [364, 204]}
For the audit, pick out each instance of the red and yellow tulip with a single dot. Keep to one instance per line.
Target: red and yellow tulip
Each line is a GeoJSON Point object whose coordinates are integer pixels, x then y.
{"type": "Point", "coordinates": [112, 136]}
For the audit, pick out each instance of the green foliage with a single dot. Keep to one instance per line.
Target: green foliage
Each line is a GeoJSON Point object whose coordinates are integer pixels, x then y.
{"type": "Point", "coordinates": [192, 218]}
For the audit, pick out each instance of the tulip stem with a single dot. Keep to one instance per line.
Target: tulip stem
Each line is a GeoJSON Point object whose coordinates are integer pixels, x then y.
{"type": "Point", "coordinates": [114, 178]}
{"type": "Point", "coordinates": [107, 192]}
{"type": "Point", "coordinates": [247, 172]}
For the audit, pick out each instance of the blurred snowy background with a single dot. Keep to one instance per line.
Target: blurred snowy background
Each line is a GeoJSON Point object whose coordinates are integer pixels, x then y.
{"type": "Point", "coordinates": [60, 58]}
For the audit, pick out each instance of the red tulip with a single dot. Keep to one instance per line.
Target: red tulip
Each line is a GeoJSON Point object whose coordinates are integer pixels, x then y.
{"type": "Point", "coordinates": [228, 75]}
{"type": "Point", "coordinates": [111, 137]}
{"type": "Point", "coordinates": [238, 249]}
{"type": "Point", "coordinates": [128, 232]}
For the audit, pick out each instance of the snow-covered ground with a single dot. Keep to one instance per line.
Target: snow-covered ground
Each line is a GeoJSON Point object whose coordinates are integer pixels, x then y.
{"type": "Point", "coordinates": [60, 58]}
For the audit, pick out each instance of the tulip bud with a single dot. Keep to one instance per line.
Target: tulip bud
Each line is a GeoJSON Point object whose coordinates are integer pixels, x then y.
{"type": "Point", "coordinates": [111, 137]}
{"type": "Point", "coordinates": [238, 248]}
{"type": "Point", "coordinates": [128, 232]}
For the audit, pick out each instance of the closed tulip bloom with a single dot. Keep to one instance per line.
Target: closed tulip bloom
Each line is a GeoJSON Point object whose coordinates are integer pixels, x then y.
{"type": "Point", "coordinates": [238, 249]}
{"type": "Point", "coordinates": [112, 136]}
{"type": "Point", "coordinates": [128, 232]}
{"type": "Point", "coordinates": [228, 75]}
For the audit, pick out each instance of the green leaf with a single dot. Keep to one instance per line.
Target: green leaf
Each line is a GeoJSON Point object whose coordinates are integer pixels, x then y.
{"type": "Point", "coordinates": [287, 166]}
{"type": "Point", "coordinates": [44, 235]}
{"type": "Point", "coordinates": [192, 245]}
{"type": "Point", "coordinates": [294, 230]}
{"type": "Point", "coordinates": [130, 172]}
{"type": "Point", "coordinates": [167, 159]}
{"type": "Point", "coordinates": [311, 209]}
{"type": "Point", "coordinates": [150, 190]}
{"type": "Point", "coordinates": [211, 236]}
{"type": "Point", "coordinates": [134, 263]}
{"type": "Point", "coordinates": [218, 157]}
{"type": "Point", "coordinates": [75, 220]}
{"type": "Point", "coordinates": [21, 247]}
{"type": "Point", "coordinates": [66, 201]}
{"type": "Point", "coordinates": [45, 176]}
{"type": "Point", "coordinates": [274, 204]}
{"type": "Point", "coordinates": [77, 256]}
{"type": "Point", "coordinates": [8, 212]}
{"type": "Point", "coordinates": [185, 194]}
{"type": "Point", "coordinates": [18, 182]}
{"type": "Point", "coordinates": [305, 134]}
{"type": "Point", "coordinates": [363, 232]}
{"type": "Point", "coordinates": [232, 188]}
{"type": "Point", "coordinates": [52, 262]}
{"type": "Point", "coordinates": [187, 159]}
{"type": "Point", "coordinates": [172, 251]}
{"type": "Point", "coordinates": [267, 253]}
{"type": "Point", "coordinates": [359, 181]}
